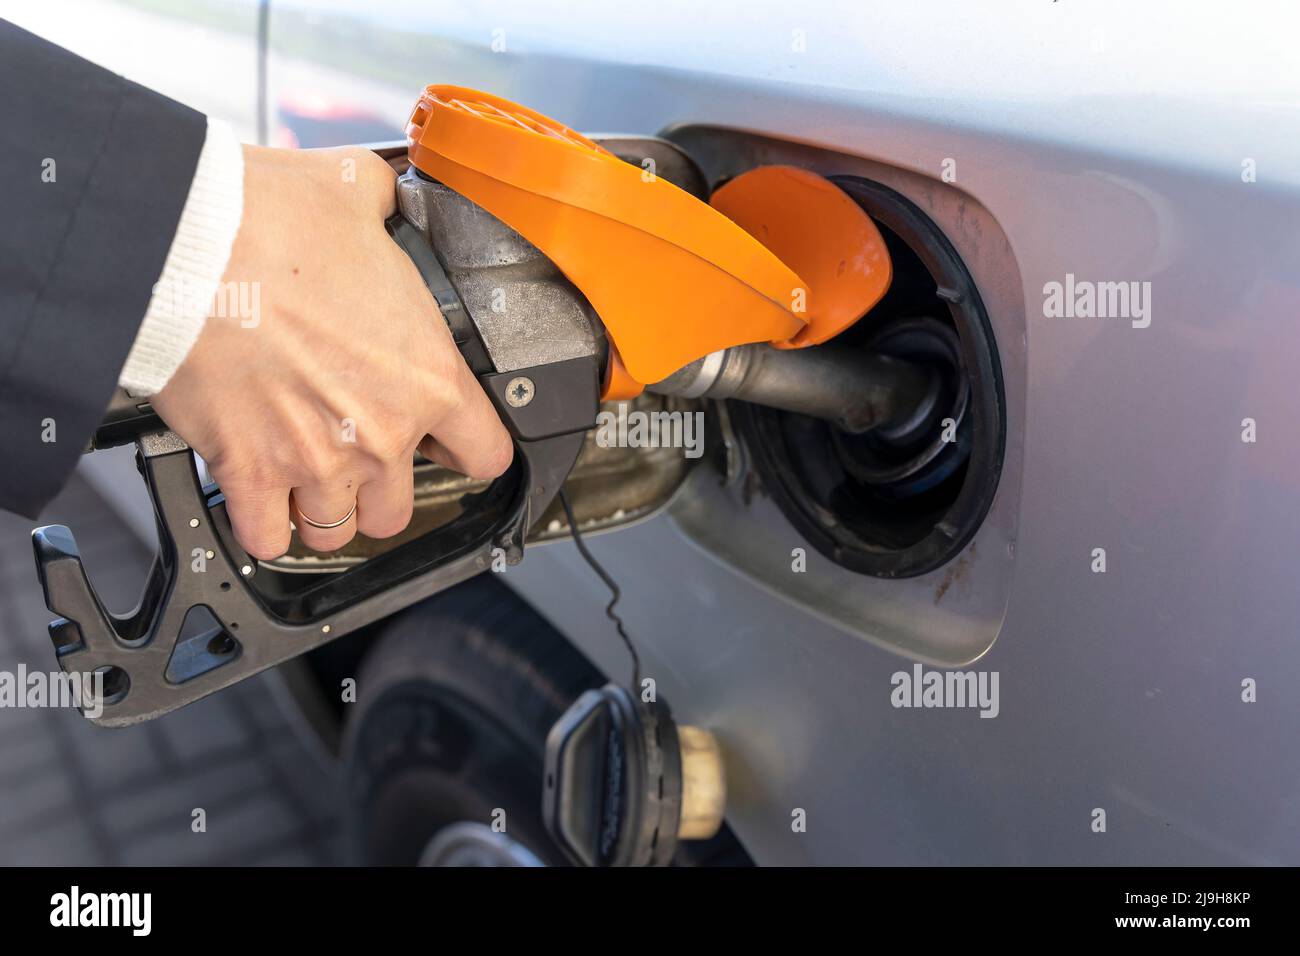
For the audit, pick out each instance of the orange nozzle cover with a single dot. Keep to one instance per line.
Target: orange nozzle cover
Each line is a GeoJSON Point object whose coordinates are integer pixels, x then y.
{"type": "Point", "coordinates": [618, 383]}
{"type": "Point", "coordinates": [820, 232]}
{"type": "Point", "coordinates": [671, 278]}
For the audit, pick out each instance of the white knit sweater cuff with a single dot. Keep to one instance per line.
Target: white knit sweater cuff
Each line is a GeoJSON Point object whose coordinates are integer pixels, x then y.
{"type": "Point", "coordinates": [194, 266]}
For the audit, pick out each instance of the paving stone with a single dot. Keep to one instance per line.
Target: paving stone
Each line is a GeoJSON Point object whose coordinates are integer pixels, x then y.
{"type": "Point", "coordinates": [35, 799]}
{"type": "Point", "coordinates": [302, 782]}
{"type": "Point", "coordinates": [25, 754]}
{"type": "Point", "coordinates": [70, 844]}
{"type": "Point", "coordinates": [170, 848]}
{"type": "Point", "coordinates": [167, 801]}
{"type": "Point", "coordinates": [234, 833]}
{"type": "Point", "coordinates": [203, 729]}
{"type": "Point", "coordinates": [19, 721]}
{"type": "Point", "coordinates": [292, 856]}
{"type": "Point", "coordinates": [112, 758]}
{"type": "Point", "coordinates": [74, 794]}
{"type": "Point", "coordinates": [256, 699]}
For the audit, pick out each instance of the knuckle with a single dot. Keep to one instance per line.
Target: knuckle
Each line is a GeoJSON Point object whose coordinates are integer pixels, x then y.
{"type": "Point", "coordinates": [445, 381]}
{"type": "Point", "coordinates": [250, 473]}
{"type": "Point", "coordinates": [440, 398]}
{"type": "Point", "coordinates": [320, 461]}
{"type": "Point", "coordinates": [264, 544]}
{"type": "Point", "coordinates": [389, 523]}
{"type": "Point", "coordinates": [393, 439]}
{"type": "Point", "coordinates": [493, 460]}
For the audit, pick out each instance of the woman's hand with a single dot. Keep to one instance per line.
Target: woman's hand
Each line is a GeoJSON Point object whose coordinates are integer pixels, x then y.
{"type": "Point", "coordinates": [324, 363]}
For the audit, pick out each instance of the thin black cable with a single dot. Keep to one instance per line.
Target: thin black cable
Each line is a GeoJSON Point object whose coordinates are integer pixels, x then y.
{"type": "Point", "coordinates": [613, 589]}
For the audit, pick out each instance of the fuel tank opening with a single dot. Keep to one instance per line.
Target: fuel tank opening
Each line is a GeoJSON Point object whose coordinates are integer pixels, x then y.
{"type": "Point", "coordinates": [904, 497]}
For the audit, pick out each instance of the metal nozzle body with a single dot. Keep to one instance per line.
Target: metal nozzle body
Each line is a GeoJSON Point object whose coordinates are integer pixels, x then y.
{"type": "Point", "coordinates": [857, 390]}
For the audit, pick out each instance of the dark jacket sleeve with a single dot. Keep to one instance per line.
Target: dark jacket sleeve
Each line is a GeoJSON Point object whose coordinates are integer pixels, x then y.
{"type": "Point", "coordinates": [94, 173]}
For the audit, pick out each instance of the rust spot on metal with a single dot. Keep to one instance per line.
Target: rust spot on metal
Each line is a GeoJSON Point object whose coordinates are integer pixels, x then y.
{"type": "Point", "coordinates": [956, 573]}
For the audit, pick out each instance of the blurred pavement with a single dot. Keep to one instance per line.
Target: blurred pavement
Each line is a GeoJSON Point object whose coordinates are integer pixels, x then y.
{"type": "Point", "coordinates": [75, 794]}
{"type": "Point", "coordinates": [72, 793]}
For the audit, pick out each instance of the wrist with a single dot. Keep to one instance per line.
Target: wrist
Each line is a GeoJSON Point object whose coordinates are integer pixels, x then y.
{"type": "Point", "coordinates": [192, 272]}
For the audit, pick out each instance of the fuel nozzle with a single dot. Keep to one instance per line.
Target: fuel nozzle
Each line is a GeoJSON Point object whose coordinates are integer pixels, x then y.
{"type": "Point", "coordinates": [857, 390]}
{"type": "Point", "coordinates": [778, 254]}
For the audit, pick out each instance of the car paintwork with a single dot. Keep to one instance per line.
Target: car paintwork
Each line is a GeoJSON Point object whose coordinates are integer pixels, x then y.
{"type": "Point", "coordinates": [1107, 143]}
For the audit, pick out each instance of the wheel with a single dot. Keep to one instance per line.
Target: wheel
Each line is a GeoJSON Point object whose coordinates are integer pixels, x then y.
{"type": "Point", "coordinates": [454, 701]}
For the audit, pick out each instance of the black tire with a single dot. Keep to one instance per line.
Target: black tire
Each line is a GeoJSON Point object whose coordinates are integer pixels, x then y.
{"type": "Point", "coordinates": [454, 701]}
